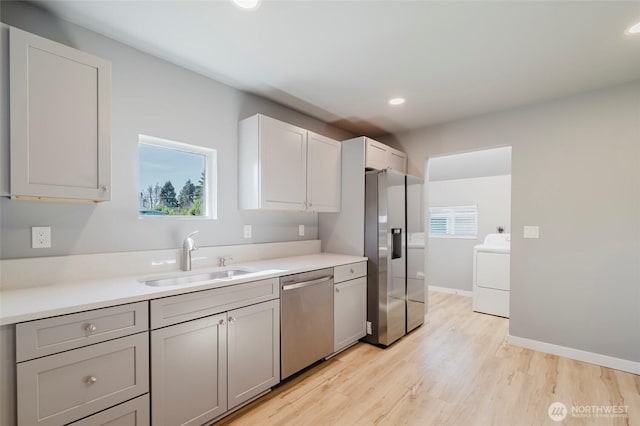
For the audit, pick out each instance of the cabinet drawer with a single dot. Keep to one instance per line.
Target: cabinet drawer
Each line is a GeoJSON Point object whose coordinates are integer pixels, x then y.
{"type": "Point", "coordinates": [349, 272]}
{"type": "Point", "coordinates": [61, 388]}
{"type": "Point", "coordinates": [51, 335]}
{"type": "Point", "coordinates": [131, 413]}
{"type": "Point", "coordinates": [176, 309]}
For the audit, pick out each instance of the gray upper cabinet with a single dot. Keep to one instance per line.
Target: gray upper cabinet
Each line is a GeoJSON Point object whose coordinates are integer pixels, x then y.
{"type": "Point", "coordinates": [323, 173]}
{"type": "Point", "coordinates": [379, 156]}
{"type": "Point", "coordinates": [285, 167]}
{"type": "Point", "coordinates": [60, 121]}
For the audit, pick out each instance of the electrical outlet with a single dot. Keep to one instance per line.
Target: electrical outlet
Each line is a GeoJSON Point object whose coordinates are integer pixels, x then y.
{"type": "Point", "coordinates": [247, 231]}
{"type": "Point", "coordinates": [531, 232]}
{"type": "Point", "coordinates": [369, 331]}
{"type": "Point", "coordinates": [40, 237]}
{"type": "Point", "coordinates": [301, 230]}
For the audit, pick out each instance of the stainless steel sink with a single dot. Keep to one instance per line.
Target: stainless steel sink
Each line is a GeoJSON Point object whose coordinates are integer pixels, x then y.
{"type": "Point", "coordinates": [227, 274]}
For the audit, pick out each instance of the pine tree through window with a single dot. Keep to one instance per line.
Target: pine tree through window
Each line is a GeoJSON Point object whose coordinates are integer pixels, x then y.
{"type": "Point", "coordinates": [175, 179]}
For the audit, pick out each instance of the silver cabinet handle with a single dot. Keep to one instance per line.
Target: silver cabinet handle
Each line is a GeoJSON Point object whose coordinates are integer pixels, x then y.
{"type": "Point", "coordinates": [90, 380]}
{"type": "Point", "coordinates": [222, 322]}
{"type": "Point", "coordinates": [232, 320]}
{"type": "Point", "coordinates": [337, 290]}
{"type": "Point", "coordinates": [90, 328]}
{"type": "Point", "coordinates": [351, 270]}
{"type": "Point", "coordinates": [306, 283]}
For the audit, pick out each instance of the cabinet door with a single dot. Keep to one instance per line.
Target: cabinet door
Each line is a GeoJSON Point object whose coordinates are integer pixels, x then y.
{"type": "Point", "coordinates": [60, 121]}
{"type": "Point", "coordinates": [350, 312]}
{"type": "Point", "coordinates": [323, 173]}
{"type": "Point", "coordinates": [189, 372]}
{"type": "Point", "coordinates": [283, 163]}
{"type": "Point", "coordinates": [397, 160]}
{"type": "Point", "coordinates": [375, 155]}
{"type": "Point", "coordinates": [253, 350]}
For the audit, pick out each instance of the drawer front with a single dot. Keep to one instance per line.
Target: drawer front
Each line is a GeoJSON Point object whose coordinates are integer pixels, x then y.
{"type": "Point", "coordinates": [177, 309]}
{"type": "Point", "coordinates": [35, 339]}
{"type": "Point", "coordinates": [349, 272]}
{"type": "Point", "coordinates": [65, 387]}
{"type": "Point", "coordinates": [131, 413]}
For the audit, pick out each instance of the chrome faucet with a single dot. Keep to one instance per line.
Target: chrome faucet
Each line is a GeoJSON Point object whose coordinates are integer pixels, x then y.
{"type": "Point", "coordinates": [188, 246]}
{"type": "Point", "coordinates": [223, 260]}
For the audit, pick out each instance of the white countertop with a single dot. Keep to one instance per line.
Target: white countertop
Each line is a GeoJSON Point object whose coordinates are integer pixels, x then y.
{"type": "Point", "coordinates": [41, 302]}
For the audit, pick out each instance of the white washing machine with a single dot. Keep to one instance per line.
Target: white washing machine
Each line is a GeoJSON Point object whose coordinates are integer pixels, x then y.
{"type": "Point", "coordinates": [491, 275]}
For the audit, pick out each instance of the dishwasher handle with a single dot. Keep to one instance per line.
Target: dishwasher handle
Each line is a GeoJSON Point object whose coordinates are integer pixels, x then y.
{"type": "Point", "coordinates": [307, 283]}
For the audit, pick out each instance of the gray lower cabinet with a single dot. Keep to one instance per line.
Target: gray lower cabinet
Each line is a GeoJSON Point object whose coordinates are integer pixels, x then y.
{"type": "Point", "coordinates": [189, 372]}
{"type": "Point", "coordinates": [52, 335]}
{"type": "Point", "coordinates": [65, 387]}
{"type": "Point", "coordinates": [350, 312]}
{"type": "Point", "coordinates": [202, 368]}
{"type": "Point", "coordinates": [253, 348]}
{"type": "Point", "coordinates": [130, 413]}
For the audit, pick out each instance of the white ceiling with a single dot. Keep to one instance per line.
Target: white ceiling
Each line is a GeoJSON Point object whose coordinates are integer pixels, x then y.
{"type": "Point", "coordinates": [341, 61]}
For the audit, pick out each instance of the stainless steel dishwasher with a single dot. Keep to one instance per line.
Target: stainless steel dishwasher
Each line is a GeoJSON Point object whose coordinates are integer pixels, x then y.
{"type": "Point", "coordinates": [306, 319]}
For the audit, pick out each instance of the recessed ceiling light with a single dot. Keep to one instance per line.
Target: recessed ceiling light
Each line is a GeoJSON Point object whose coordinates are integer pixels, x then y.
{"type": "Point", "coordinates": [396, 101]}
{"type": "Point", "coordinates": [634, 29]}
{"type": "Point", "coordinates": [247, 4]}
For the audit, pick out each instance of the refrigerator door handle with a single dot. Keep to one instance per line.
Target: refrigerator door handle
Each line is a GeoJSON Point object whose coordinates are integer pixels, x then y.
{"type": "Point", "coordinates": [396, 243]}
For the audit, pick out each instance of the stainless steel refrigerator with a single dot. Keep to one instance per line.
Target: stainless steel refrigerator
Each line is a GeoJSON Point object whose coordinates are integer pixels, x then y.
{"type": "Point", "coordinates": [393, 210]}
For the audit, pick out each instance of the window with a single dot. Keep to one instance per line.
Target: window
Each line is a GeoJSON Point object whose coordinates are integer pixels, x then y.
{"type": "Point", "coordinates": [176, 179]}
{"type": "Point", "coordinates": [453, 222]}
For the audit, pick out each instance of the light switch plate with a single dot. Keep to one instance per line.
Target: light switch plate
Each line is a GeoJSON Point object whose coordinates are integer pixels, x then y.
{"type": "Point", "coordinates": [40, 237]}
{"type": "Point", "coordinates": [531, 232]}
{"type": "Point", "coordinates": [247, 231]}
{"type": "Point", "coordinates": [301, 230]}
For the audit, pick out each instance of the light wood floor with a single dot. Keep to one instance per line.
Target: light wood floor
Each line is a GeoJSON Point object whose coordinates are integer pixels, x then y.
{"type": "Point", "coordinates": [457, 369]}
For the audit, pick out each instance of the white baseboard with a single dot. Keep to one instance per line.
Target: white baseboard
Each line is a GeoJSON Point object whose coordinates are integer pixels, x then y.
{"type": "Point", "coordinates": [465, 293]}
{"type": "Point", "coordinates": [577, 354]}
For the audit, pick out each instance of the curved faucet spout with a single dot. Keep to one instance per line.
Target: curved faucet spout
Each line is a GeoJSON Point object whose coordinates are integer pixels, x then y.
{"type": "Point", "coordinates": [188, 245]}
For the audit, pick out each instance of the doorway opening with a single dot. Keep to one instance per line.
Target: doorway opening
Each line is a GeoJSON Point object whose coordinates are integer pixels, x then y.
{"type": "Point", "coordinates": [468, 225]}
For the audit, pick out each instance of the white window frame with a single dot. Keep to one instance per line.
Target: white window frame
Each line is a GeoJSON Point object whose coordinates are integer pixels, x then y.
{"type": "Point", "coordinates": [451, 212]}
{"type": "Point", "coordinates": [210, 174]}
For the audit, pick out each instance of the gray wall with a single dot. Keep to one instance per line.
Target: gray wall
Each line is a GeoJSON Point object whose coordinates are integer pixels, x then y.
{"type": "Point", "coordinates": [450, 260]}
{"type": "Point", "coordinates": [153, 97]}
{"type": "Point", "coordinates": [486, 162]}
{"type": "Point", "coordinates": [576, 174]}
